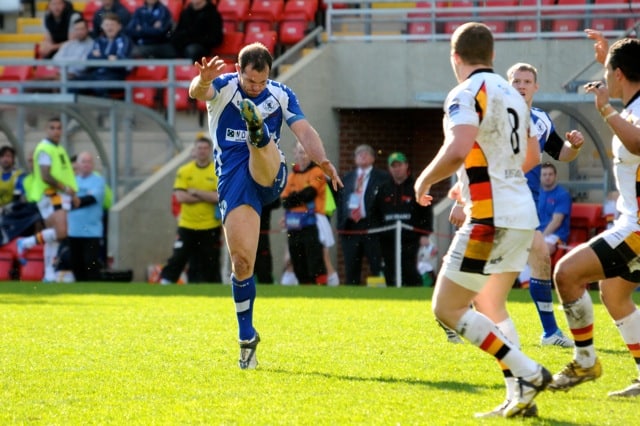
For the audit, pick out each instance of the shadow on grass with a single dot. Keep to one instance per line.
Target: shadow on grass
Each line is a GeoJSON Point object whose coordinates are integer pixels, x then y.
{"type": "Point", "coordinates": [444, 385]}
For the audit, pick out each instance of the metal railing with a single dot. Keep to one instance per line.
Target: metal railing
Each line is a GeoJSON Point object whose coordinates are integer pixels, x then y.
{"type": "Point", "coordinates": [388, 20]}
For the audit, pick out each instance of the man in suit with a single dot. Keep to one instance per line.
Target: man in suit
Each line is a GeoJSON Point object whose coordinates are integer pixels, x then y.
{"type": "Point", "coordinates": [356, 215]}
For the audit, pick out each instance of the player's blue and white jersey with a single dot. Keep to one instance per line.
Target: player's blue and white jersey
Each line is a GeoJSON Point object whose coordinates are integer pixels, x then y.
{"type": "Point", "coordinates": [276, 103]}
{"type": "Point", "coordinates": [542, 127]}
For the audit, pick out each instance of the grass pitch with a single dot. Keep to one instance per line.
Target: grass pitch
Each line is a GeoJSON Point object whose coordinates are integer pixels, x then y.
{"type": "Point", "coordinates": [136, 354]}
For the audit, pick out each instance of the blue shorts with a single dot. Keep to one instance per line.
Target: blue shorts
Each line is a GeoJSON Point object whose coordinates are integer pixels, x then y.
{"type": "Point", "coordinates": [239, 188]}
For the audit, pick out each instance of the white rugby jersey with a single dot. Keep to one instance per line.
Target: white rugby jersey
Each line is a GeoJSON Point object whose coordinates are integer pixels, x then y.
{"type": "Point", "coordinates": [626, 169]}
{"type": "Point", "coordinates": [276, 103]}
{"type": "Point", "coordinates": [493, 183]}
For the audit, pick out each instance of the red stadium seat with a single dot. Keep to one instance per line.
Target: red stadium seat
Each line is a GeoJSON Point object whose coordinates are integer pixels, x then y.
{"type": "Point", "coordinates": [489, 14]}
{"type": "Point", "coordinates": [258, 25]}
{"type": "Point", "coordinates": [185, 72]}
{"type": "Point", "coordinates": [175, 7]}
{"type": "Point", "coordinates": [149, 72]}
{"type": "Point", "coordinates": [266, 10]}
{"type": "Point", "coordinates": [182, 102]}
{"type": "Point", "coordinates": [132, 5]}
{"type": "Point", "coordinates": [234, 10]}
{"type": "Point", "coordinates": [268, 38]}
{"type": "Point", "coordinates": [586, 218]}
{"type": "Point", "coordinates": [419, 23]}
{"type": "Point", "coordinates": [292, 31]}
{"type": "Point", "coordinates": [605, 19]}
{"type": "Point", "coordinates": [33, 269]}
{"type": "Point", "coordinates": [297, 8]}
{"type": "Point", "coordinates": [565, 24]}
{"type": "Point", "coordinates": [16, 72]}
{"type": "Point", "coordinates": [230, 47]}
{"type": "Point", "coordinates": [46, 72]}
{"type": "Point", "coordinates": [229, 26]}
{"type": "Point", "coordinates": [90, 9]}
{"type": "Point", "coordinates": [454, 12]}
{"type": "Point", "coordinates": [145, 96]}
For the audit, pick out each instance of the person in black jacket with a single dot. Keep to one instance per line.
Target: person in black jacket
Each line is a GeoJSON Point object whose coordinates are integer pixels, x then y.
{"type": "Point", "coordinates": [356, 215]}
{"type": "Point", "coordinates": [199, 30]}
{"type": "Point", "coordinates": [58, 21]}
{"type": "Point", "coordinates": [395, 201]}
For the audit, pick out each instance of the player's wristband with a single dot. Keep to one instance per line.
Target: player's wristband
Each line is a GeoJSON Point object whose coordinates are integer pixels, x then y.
{"type": "Point", "coordinates": [611, 114]}
{"type": "Point", "coordinates": [604, 108]}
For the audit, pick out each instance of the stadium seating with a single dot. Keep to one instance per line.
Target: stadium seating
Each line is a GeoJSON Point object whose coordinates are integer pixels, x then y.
{"type": "Point", "coordinates": [291, 31]}
{"type": "Point", "coordinates": [454, 12]}
{"type": "Point", "coordinates": [418, 23]}
{"type": "Point", "coordinates": [182, 100]}
{"type": "Point", "coordinates": [565, 23]}
{"type": "Point", "coordinates": [268, 10]}
{"type": "Point", "coordinates": [16, 72]}
{"type": "Point", "coordinates": [46, 72]}
{"type": "Point", "coordinates": [231, 45]}
{"type": "Point", "coordinates": [8, 258]}
{"type": "Point", "coordinates": [147, 96]}
{"type": "Point", "coordinates": [132, 5]}
{"type": "Point", "coordinates": [268, 38]}
{"type": "Point", "coordinates": [234, 10]}
{"type": "Point", "coordinates": [526, 21]}
{"type": "Point", "coordinates": [175, 7]}
{"type": "Point", "coordinates": [33, 269]}
{"type": "Point", "coordinates": [90, 9]}
{"type": "Point", "coordinates": [491, 18]}
{"type": "Point", "coordinates": [586, 219]}
{"type": "Point", "coordinates": [306, 9]}
{"type": "Point", "coordinates": [602, 22]}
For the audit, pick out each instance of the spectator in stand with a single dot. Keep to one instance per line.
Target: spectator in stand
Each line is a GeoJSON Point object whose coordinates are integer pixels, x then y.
{"type": "Point", "coordinates": [76, 48]}
{"type": "Point", "coordinates": [554, 209]}
{"type": "Point", "coordinates": [11, 178]}
{"type": "Point", "coordinates": [303, 196]}
{"type": "Point", "coordinates": [53, 187]}
{"type": "Point", "coordinates": [109, 6]}
{"type": "Point", "coordinates": [199, 223]}
{"type": "Point", "coordinates": [395, 201]}
{"type": "Point", "coordinates": [58, 21]}
{"type": "Point", "coordinates": [150, 29]}
{"type": "Point", "coordinates": [198, 31]}
{"type": "Point", "coordinates": [85, 221]}
{"type": "Point", "coordinates": [114, 45]}
{"type": "Point", "coordinates": [356, 215]}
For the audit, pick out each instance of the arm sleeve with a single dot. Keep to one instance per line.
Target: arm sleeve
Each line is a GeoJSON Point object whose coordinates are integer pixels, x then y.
{"type": "Point", "coordinates": [554, 144]}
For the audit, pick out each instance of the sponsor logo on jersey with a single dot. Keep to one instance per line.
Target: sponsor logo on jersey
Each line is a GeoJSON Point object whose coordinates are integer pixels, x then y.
{"type": "Point", "coordinates": [235, 135]}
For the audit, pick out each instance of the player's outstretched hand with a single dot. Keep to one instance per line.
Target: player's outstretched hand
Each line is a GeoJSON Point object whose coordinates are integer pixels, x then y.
{"type": "Point", "coordinates": [211, 69]}
{"type": "Point", "coordinates": [601, 45]}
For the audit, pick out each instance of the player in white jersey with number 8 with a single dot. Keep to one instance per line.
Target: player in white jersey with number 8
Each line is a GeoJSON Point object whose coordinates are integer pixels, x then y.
{"type": "Point", "coordinates": [488, 141]}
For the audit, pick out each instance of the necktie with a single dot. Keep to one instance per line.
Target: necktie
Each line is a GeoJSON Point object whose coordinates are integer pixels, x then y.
{"type": "Point", "coordinates": [356, 213]}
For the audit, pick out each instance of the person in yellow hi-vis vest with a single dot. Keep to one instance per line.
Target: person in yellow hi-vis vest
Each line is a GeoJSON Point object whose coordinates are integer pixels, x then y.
{"type": "Point", "coordinates": [53, 187]}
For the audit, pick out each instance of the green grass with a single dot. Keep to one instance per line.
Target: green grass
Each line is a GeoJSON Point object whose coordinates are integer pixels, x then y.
{"type": "Point", "coordinates": [76, 354]}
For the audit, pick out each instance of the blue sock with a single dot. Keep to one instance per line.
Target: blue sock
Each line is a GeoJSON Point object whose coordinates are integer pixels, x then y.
{"type": "Point", "coordinates": [244, 294]}
{"type": "Point", "coordinates": [266, 137]}
{"type": "Point", "coordinates": [540, 291]}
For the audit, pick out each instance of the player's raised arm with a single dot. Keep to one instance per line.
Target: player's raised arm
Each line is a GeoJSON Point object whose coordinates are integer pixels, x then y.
{"type": "Point", "coordinates": [200, 87]}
